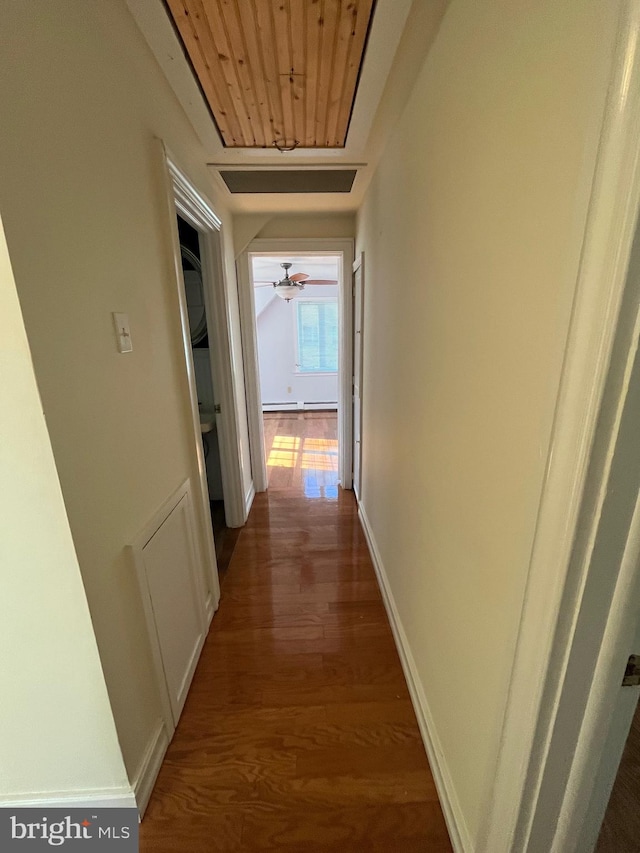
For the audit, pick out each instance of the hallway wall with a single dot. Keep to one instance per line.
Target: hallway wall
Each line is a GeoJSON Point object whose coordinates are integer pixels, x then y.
{"type": "Point", "coordinates": [478, 208]}
{"type": "Point", "coordinates": [57, 735]}
{"type": "Point", "coordinates": [282, 226]}
{"type": "Point", "coordinates": [85, 213]}
{"type": "Point", "coordinates": [308, 225]}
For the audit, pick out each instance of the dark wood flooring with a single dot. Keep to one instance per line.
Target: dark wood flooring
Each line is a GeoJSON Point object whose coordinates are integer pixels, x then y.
{"type": "Point", "coordinates": [225, 537]}
{"type": "Point", "coordinates": [298, 733]}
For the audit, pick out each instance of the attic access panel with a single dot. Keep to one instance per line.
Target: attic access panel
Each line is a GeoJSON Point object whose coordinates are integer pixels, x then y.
{"type": "Point", "coordinates": [276, 72]}
{"type": "Point", "coordinates": [289, 181]}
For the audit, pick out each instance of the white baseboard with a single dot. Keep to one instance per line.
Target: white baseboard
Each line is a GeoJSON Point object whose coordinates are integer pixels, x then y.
{"type": "Point", "coordinates": [147, 773]}
{"type": "Point", "coordinates": [456, 824]}
{"type": "Point", "coordinates": [297, 407]}
{"type": "Point", "coordinates": [320, 407]}
{"type": "Point", "coordinates": [209, 609]}
{"type": "Point", "coordinates": [279, 407]}
{"type": "Point", "coordinates": [248, 500]}
{"type": "Point", "coordinates": [117, 798]}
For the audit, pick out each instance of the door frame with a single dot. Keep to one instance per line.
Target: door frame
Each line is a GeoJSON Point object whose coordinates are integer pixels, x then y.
{"type": "Point", "coordinates": [343, 247]}
{"type": "Point", "coordinates": [185, 199]}
{"type": "Point", "coordinates": [358, 266]}
{"type": "Point", "coordinates": [544, 782]}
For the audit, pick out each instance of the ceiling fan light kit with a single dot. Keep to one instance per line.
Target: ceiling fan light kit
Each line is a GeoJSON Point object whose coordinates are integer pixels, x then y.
{"type": "Point", "coordinates": [287, 287]}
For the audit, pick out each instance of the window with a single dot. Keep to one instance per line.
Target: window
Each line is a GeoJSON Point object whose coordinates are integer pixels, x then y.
{"type": "Point", "coordinates": [317, 330]}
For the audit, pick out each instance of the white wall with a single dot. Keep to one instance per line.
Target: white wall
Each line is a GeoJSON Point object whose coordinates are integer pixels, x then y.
{"type": "Point", "coordinates": [83, 102]}
{"type": "Point", "coordinates": [248, 227]}
{"type": "Point", "coordinates": [310, 225]}
{"type": "Point", "coordinates": [57, 735]}
{"type": "Point", "coordinates": [276, 333]}
{"type": "Point", "coordinates": [478, 208]}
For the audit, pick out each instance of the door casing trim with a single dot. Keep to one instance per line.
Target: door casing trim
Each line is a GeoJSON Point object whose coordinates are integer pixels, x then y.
{"type": "Point", "coordinates": [343, 247]}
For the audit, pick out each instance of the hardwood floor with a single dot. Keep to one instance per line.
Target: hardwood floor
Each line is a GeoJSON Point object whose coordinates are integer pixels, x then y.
{"type": "Point", "coordinates": [298, 733]}
{"type": "Point", "coordinates": [225, 537]}
{"type": "Point", "coordinates": [302, 452]}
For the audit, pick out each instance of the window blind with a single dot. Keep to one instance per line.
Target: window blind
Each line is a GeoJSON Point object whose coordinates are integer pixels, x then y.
{"type": "Point", "coordinates": [317, 336]}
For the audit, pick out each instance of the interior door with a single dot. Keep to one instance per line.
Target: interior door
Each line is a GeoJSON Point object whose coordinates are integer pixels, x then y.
{"type": "Point", "coordinates": [358, 296]}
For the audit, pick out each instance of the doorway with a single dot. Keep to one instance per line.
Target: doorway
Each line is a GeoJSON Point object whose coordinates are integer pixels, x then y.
{"type": "Point", "coordinates": [202, 351]}
{"type": "Point", "coordinates": [297, 320]}
{"type": "Point", "coordinates": [358, 360]}
{"type": "Point", "coordinates": [298, 351]}
{"type": "Point", "coordinates": [187, 203]}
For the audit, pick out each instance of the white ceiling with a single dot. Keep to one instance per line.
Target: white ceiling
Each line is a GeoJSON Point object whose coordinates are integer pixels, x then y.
{"type": "Point", "coordinates": [400, 36]}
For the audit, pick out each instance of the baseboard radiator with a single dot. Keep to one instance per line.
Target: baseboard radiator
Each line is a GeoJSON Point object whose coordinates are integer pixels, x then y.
{"type": "Point", "coordinates": [300, 406]}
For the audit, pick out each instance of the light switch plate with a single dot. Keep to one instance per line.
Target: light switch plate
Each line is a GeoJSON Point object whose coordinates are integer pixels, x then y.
{"type": "Point", "coordinates": [123, 333]}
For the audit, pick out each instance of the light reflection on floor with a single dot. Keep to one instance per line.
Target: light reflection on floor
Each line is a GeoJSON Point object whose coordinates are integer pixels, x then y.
{"type": "Point", "coordinates": [315, 458]}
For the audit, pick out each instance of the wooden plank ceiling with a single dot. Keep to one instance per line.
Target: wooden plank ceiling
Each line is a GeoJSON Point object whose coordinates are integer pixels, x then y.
{"type": "Point", "coordinates": [276, 72]}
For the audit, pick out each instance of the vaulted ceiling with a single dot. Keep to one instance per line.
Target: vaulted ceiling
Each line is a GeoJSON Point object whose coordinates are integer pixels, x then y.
{"type": "Point", "coordinates": [327, 79]}
{"type": "Point", "coordinates": [279, 73]}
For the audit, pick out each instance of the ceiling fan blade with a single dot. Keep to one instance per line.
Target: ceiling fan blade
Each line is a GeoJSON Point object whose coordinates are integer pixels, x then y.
{"type": "Point", "coordinates": [299, 278]}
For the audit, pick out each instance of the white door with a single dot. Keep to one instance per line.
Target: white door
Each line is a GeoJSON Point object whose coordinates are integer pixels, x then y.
{"type": "Point", "coordinates": [358, 295]}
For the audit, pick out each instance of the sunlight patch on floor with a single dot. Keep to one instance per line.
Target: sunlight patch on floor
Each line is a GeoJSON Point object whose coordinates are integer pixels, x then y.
{"type": "Point", "coordinates": [316, 454]}
{"type": "Point", "coordinates": [302, 454]}
{"type": "Point", "coordinates": [284, 452]}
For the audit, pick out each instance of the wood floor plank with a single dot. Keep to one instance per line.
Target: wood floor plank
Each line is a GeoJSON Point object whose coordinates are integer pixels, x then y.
{"type": "Point", "coordinates": [359, 761]}
{"type": "Point", "coordinates": [351, 591]}
{"type": "Point", "coordinates": [278, 696]}
{"type": "Point", "coordinates": [220, 832]}
{"type": "Point", "coordinates": [286, 634]}
{"type": "Point", "coordinates": [298, 733]}
{"type": "Point", "coordinates": [251, 720]}
{"type": "Point", "coordinates": [316, 736]}
{"type": "Point", "coordinates": [344, 713]}
{"type": "Point", "coordinates": [332, 792]}
{"type": "Point", "coordinates": [344, 829]}
{"type": "Point", "coordinates": [232, 662]}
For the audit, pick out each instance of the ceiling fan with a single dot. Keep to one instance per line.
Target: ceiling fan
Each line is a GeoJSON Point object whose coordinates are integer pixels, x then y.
{"type": "Point", "coordinates": [290, 286]}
